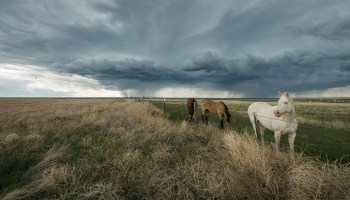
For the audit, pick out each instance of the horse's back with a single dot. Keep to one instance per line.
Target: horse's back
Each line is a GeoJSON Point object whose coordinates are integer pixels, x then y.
{"type": "Point", "coordinates": [215, 107]}
{"type": "Point", "coordinates": [264, 113]}
{"type": "Point", "coordinates": [205, 104]}
{"type": "Point", "coordinates": [260, 109]}
{"type": "Point", "coordinates": [205, 101]}
{"type": "Point", "coordinates": [257, 106]}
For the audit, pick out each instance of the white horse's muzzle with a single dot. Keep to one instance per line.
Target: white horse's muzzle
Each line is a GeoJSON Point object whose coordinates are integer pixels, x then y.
{"type": "Point", "coordinates": [277, 113]}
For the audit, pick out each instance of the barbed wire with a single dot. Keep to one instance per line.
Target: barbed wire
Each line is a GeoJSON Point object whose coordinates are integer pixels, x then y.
{"type": "Point", "coordinates": [272, 118]}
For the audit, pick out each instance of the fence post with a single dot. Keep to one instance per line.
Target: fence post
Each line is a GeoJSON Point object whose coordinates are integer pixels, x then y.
{"type": "Point", "coordinates": [256, 126]}
{"type": "Point", "coordinates": [164, 106]}
{"type": "Point", "coordinates": [150, 101]}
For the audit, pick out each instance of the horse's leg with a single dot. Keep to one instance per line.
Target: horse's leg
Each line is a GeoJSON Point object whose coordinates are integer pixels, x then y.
{"type": "Point", "coordinates": [222, 116]}
{"type": "Point", "coordinates": [277, 139]}
{"type": "Point", "coordinates": [291, 138]}
{"type": "Point", "coordinates": [203, 115]}
{"type": "Point", "coordinates": [206, 117]}
{"type": "Point", "coordinates": [222, 123]}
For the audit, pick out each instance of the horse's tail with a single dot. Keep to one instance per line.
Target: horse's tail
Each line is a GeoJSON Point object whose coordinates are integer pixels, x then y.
{"type": "Point", "coordinates": [228, 115]}
{"type": "Point", "coordinates": [227, 112]}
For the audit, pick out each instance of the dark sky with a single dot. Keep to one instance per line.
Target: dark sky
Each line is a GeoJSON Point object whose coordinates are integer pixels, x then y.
{"type": "Point", "coordinates": [174, 48]}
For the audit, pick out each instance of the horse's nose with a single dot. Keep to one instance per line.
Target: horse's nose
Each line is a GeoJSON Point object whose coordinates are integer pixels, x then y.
{"type": "Point", "coordinates": [277, 113]}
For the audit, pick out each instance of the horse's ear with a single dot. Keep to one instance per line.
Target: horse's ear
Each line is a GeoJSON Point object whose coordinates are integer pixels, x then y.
{"type": "Point", "coordinates": [286, 94]}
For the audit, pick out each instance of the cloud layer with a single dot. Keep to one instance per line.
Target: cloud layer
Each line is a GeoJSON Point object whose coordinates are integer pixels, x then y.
{"type": "Point", "coordinates": [204, 48]}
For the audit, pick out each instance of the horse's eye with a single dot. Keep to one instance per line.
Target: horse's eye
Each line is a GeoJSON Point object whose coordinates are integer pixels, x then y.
{"type": "Point", "coordinates": [286, 103]}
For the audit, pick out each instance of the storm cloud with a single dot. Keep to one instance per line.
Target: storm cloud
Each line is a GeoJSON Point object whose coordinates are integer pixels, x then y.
{"type": "Point", "coordinates": [145, 48]}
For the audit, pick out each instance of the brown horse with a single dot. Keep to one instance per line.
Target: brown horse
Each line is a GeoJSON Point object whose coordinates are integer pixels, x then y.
{"type": "Point", "coordinates": [191, 106]}
{"type": "Point", "coordinates": [216, 107]}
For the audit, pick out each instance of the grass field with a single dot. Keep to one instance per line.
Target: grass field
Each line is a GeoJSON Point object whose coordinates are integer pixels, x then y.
{"type": "Point", "coordinates": [324, 128]}
{"type": "Point", "coordinates": [123, 149]}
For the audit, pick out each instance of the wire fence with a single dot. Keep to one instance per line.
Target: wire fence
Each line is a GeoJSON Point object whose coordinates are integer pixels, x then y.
{"type": "Point", "coordinates": [275, 119]}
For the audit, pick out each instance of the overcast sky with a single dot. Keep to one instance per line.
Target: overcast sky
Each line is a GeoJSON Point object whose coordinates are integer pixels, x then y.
{"type": "Point", "coordinates": [174, 48]}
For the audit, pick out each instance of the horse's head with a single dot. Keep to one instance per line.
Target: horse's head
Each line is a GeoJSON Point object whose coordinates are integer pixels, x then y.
{"type": "Point", "coordinates": [285, 105]}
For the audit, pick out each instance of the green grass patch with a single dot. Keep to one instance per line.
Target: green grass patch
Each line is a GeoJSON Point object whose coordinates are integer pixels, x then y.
{"type": "Point", "coordinates": [325, 143]}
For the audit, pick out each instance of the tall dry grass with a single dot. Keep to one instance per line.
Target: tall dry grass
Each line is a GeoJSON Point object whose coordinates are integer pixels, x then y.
{"type": "Point", "coordinates": [128, 150]}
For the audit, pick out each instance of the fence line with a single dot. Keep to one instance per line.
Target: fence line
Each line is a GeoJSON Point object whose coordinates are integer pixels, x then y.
{"type": "Point", "coordinates": [271, 118]}
{"type": "Point", "coordinates": [248, 114]}
{"type": "Point", "coordinates": [302, 124]}
{"type": "Point", "coordinates": [249, 123]}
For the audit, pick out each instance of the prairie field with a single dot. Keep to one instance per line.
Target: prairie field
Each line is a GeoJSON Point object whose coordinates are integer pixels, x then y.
{"type": "Point", "coordinates": [127, 149]}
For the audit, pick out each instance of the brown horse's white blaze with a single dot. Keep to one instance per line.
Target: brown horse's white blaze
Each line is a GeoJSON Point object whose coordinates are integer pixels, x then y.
{"type": "Point", "coordinates": [216, 107]}
{"type": "Point", "coordinates": [191, 106]}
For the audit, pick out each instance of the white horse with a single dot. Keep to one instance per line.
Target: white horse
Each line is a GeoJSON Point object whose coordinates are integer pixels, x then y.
{"type": "Point", "coordinates": [280, 119]}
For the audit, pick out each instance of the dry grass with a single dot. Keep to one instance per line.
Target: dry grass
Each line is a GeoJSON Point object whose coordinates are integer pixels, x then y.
{"type": "Point", "coordinates": [128, 150]}
{"type": "Point", "coordinates": [45, 177]}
